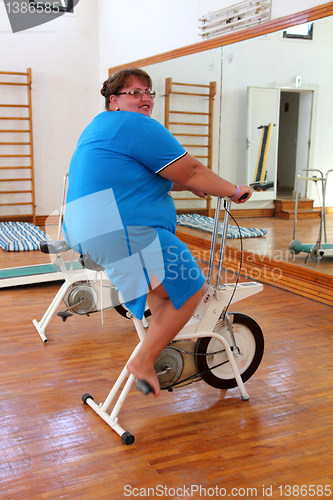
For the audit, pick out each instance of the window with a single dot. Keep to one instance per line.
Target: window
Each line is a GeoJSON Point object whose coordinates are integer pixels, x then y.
{"type": "Point", "coordinates": [301, 32]}
{"type": "Point", "coordinates": [53, 6]}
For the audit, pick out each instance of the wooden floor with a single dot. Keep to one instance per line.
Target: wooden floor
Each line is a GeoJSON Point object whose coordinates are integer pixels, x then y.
{"type": "Point", "coordinates": [54, 447]}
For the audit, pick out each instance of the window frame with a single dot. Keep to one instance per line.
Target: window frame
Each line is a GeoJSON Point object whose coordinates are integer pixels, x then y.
{"type": "Point", "coordinates": [292, 36]}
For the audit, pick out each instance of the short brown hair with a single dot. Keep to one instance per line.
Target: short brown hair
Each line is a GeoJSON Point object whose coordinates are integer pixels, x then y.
{"type": "Point", "coordinates": [122, 79]}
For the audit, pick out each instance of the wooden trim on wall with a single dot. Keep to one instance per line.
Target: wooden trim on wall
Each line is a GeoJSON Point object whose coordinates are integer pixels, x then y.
{"type": "Point", "coordinates": [240, 214]}
{"type": "Point", "coordinates": [319, 12]}
{"type": "Point", "coordinates": [54, 219]}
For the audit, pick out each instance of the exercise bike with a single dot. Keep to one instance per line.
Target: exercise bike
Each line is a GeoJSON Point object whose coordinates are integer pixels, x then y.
{"type": "Point", "coordinates": [223, 349]}
{"type": "Point", "coordinates": [321, 248]}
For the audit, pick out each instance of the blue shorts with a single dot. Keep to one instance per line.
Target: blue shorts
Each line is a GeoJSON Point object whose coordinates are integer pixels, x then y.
{"type": "Point", "coordinates": [131, 255]}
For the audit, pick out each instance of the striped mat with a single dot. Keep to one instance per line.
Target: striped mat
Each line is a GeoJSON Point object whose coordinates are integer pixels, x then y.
{"type": "Point", "coordinates": [207, 224]}
{"type": "Point", "coordinates": [20, 236]}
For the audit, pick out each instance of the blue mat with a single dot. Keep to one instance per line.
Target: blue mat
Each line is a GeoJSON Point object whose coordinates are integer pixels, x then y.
{"type": "Point", "coordinates": [207, 224]}
{"type": "Point", "coordinates": [20, 236]}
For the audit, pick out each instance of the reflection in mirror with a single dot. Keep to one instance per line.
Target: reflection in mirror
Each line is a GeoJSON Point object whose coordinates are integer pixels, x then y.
{"type": "Point", "coordinates": [300, 72]}
{"type": "Point", "coordinates": [290, 80]}
{"type": "Point", "coordinates": [302, 31]}
{"type": "Point", "coordinates": [262, 139]}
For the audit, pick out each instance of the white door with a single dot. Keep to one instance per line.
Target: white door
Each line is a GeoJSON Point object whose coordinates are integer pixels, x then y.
{"type": "Point", "coordinates": [263, 110]}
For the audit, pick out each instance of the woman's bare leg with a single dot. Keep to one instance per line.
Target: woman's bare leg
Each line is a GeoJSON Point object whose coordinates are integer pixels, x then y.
{"type": "Point", "coordinates": [165, 323]}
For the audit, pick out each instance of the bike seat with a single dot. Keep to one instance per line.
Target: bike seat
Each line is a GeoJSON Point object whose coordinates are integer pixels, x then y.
{"type": "Point", "coordinates": [53, 246]}
{"type": "Point", "coordinates": [89, 263]}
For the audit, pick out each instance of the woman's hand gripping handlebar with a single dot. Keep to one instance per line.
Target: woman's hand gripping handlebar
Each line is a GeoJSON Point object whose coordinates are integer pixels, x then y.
{"type": "Point", "coordinates": [243, 193]}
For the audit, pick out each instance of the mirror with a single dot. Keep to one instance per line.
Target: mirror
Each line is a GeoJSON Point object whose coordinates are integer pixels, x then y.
{"type": "Point", "coordinates": [266, 80]}
{"type": "Point", "coordinates": [287, 82]}
{"type": "Point", "coordinates": [297, 73]}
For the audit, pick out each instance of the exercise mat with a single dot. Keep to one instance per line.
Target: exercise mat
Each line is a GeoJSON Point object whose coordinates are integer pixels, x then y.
{"type": "Point", "coordinates": [204, 223]}
{"type": "Point", "coordinates": [20, 236]}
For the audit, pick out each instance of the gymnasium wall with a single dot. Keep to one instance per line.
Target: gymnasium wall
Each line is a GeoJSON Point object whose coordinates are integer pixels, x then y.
{"type": "Point", "coordinates": [64, 58]}
{"type": "Point", "coordinates": [70, 57]}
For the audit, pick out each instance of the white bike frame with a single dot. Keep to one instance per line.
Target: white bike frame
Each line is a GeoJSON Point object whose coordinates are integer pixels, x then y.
{"type": "Point", "coordinates": [209, 310]}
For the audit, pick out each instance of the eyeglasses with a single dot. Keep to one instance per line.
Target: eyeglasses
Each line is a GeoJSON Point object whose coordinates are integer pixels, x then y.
{"type": "Point", "coordinates": [139, 93]}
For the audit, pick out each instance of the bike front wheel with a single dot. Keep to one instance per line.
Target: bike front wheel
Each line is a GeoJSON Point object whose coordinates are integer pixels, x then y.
{"type": "Point", "coordinates": [212, 361]}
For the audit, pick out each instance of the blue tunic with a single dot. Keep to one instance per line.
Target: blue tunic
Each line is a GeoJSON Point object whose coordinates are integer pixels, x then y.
{"type": "Point", "coordinates": [119, 211]}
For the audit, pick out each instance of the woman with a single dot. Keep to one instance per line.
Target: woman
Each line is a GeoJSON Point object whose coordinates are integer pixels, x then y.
{"type": "Point", "coordinates": [119, 212]}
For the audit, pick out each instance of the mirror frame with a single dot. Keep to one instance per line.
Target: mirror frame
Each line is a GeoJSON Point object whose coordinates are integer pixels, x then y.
{"type": "Point", "coordinates": [306, 16]}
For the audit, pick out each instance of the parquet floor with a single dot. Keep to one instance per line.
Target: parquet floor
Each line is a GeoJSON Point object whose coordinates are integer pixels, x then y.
{"type": "Point", "coordinates": [195, 442]}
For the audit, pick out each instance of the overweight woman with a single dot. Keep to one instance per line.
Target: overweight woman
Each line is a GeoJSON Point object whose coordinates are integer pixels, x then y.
{"type": "Point", "coordinates": [119, 212]}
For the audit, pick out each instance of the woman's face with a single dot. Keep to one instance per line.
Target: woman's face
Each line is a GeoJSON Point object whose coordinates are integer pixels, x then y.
{"type": "Point", "coordinates": [127, 102]}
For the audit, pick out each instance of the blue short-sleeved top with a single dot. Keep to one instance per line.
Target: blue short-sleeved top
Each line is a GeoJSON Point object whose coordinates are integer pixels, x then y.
{"type": "Point", "coordinates": [119, 211]}
{"type": "Point", "coordinates": [124, 151]}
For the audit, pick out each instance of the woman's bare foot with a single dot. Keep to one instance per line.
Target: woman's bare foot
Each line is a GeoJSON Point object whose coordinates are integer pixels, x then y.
{"type": "Point", "coordinates": [145, 374]}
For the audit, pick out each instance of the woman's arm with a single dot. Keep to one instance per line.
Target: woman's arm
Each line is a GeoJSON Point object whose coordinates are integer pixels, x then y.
{"type": "Point", "coordinates": [194, 176]}
{"type": "Point", "coordinates": [181, 187]}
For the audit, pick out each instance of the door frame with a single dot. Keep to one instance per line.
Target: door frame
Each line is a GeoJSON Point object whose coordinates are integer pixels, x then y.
{"type": "Point", "coordinates": [314, 88]}
{"type": "Point", "coordinates": [303, 136]}
{"type": "Point", "coordinates": [269, 194]}
{"type": "Point", "coordinates": [286, 87]}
